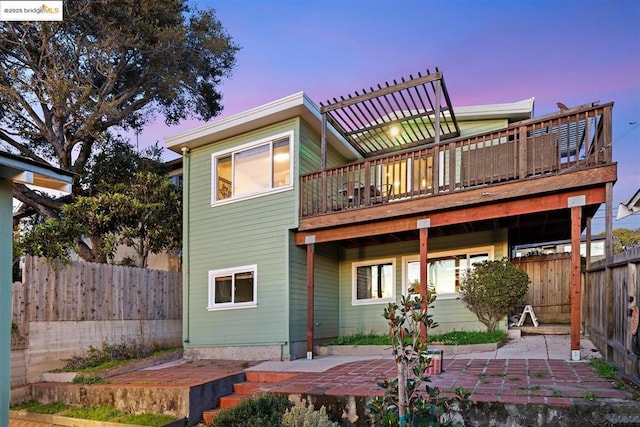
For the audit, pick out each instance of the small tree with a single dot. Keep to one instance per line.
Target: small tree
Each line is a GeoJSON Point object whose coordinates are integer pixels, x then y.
{"type": "Point", "coordinates": [408, 399]}
{"type": "Point", "coordinates": [492, 289]}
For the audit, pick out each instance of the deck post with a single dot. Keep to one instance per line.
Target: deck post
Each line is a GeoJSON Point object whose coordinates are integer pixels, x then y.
{"type": "Point", "coordinates": [323, 143]}
{"type": "Point", "coordinates": [423, 226]}
{"type": "Point", "coordinates": [310, 242]}
{"type": "Point", "coordinates": [575, 204]}
{"type": "Point", "coordinates": [609, 307]}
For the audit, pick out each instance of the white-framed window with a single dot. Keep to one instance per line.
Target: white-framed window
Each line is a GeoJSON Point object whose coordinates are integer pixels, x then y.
{"type": "Point", "coordinates": [444, 270]}
{"type": "Point", "coordinates": [235, 287]}
{"type": "Point", "coordinates": [258, 167]}
{"type": "Point", "coordinates": [374, 281]}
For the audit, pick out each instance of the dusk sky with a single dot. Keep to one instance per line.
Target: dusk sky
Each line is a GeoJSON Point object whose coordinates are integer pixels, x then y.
{"type": "Point", "coordinates": [574, 52]}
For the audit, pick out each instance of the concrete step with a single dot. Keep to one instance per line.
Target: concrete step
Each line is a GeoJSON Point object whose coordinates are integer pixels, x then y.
{"type": "Point", "coordinates": [231, 400]}
{"type": "Point", "coordinates": [207, 416]}
{"type": "Point", "coordinates": [268, 377]}
{"type": "Point", "coordinates": [249, 387]}
{"type": "Point", "coordinates": [244, 390]}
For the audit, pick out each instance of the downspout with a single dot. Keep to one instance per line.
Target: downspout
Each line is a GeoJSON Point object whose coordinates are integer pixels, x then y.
{"type": "Point", "coordinates": [186, 283]}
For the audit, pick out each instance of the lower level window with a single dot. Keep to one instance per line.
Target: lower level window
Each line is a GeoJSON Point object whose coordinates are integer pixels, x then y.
{"type": "Point", "coordinates": [373, 282]}
{"type": "Point", "coordinates": [445, 270]}
{"type": "Point", "coordinates": [233, 287]}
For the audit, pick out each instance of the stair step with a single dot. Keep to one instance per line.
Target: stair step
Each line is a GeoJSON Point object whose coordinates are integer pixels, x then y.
{"type": "Point", "coordinates": [207, 416]}
{"type": "Point", "coordinates": [231, 400]}
{"type": "Point", "coordinates": [255, 381]}
{"type": "Point", "coordinates": [268, 377]}
{"type": "Point", "coordinates": [249, 387]}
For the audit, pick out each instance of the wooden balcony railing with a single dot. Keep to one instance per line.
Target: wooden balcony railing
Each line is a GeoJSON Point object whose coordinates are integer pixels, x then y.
{"type": "Point", "coordinates": [548, 145]}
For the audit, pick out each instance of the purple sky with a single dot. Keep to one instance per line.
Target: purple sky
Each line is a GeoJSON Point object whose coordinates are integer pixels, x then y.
{"type": "Point", "coordinates": [570, 51]}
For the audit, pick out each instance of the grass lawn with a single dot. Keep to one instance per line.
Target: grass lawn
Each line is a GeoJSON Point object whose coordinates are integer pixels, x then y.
{"type": "Point", "coordinates": [448, 338]}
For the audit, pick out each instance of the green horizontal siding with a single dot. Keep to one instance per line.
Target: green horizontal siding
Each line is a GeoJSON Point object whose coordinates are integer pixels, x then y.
{"type": "Point", "coordinates": [476, 127]}
{"type": "Point", "coordinates": [310, 142]}
{"type": "Point", "coordinates": [326, 286]}
{"type": "Point", "coordinates": [450, 314]}
{"type": "Point", "coordinates": [244, 232]}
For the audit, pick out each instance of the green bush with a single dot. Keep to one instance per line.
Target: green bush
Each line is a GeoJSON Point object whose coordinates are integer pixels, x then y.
{"type": "Point", "coordinates": [264, 410]}
{"type": "Point", "coordinates": [492, 289]}
{"type": "Point", "coordinates": [302, 415]}
{"type": "Point", "coordinates": [88, 380]}
{"type": "Point", "coordinates": [110, 355]}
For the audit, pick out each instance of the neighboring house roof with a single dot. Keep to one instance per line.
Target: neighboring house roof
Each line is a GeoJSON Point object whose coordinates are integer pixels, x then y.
{"type": "Point", "coordinates": [630, 207]}
{"type": "Point", "coordinates": [27, 171]}
{"type": "Point", "coordinates": [513, 111]}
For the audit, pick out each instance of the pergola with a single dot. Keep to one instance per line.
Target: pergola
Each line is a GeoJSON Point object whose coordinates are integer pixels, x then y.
{"type": "Point", "coordinates": [393, 117]}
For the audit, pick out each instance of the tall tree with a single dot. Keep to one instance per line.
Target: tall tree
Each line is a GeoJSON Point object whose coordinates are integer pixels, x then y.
{"type": "Point", "coordinates": [110, 63]}
{"type": "Point", "coordinates": [128, 201]}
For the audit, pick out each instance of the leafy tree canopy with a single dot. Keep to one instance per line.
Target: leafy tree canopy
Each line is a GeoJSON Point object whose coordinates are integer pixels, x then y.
{"type": "Point", "coordinates": [110, 63]}
{"type": "Point", "coordinates": [624, 239]}
{"type": "Point", "coordinates": [129, 201]}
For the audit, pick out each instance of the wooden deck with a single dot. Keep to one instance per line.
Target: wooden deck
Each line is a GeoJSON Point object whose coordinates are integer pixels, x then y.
{"type": "Point", "coordinates": [560, 152]}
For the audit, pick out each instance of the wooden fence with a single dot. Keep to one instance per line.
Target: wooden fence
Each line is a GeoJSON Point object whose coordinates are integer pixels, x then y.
{"type": "Point", "coordinates": [611, 292]}
{"type": "Point", "coordinates": [82, 291]}
{"type": "Point", "coordinates": [549, 290]}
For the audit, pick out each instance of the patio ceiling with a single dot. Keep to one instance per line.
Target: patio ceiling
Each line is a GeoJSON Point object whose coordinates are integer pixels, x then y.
{"type": "Point", "coordinates": [395, 116]}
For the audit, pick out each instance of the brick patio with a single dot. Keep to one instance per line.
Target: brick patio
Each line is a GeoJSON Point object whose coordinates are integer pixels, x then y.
{"type": "Point", "coordinates": [552, 382]}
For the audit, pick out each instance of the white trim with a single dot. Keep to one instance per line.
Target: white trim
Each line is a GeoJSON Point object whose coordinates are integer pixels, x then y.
{"type": "Point", "coordinates": [290, 135]}
{"type": "Point", "coordinates": [431, 255]}
{"type": "Point", "coordinates": [212, 274]}
{"type": "Point", "coordinates": [354, 282]}
{"type": "Point", "coordinates": [295, 105]}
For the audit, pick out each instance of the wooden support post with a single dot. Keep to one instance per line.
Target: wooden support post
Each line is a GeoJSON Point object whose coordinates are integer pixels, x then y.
{"type": "Point", "coordinates": [323, 143]}
{"type": "Point", "coordinates": [522, 153]}
{"type": "Point", "coordinates": [608, 246]}
{"type": "Point", "coordinates": [576, 226]}
{"type": "Point", "coordinates": [310, 240]}
{"type": "Point", "coordinates": [423, 226]}
{"type": "Point", "coordinates": [586, 290]}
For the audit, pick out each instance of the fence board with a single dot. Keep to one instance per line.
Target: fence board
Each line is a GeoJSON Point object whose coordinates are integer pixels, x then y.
{"type": "Point", "coordinates": [626, 283]}
{"type": "Point", "coordinates": [89, 291]}
{"type": "Point", "coordinates": [549, 289]}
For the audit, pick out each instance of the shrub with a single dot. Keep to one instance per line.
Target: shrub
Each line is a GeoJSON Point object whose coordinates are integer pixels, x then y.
{"type": "Point", "coordinates": [265, 410]}
{"type": "Point", "coordinates": [105, 356]}
{"type": "Point", "coordinates": [492, 289]}
{"type": "Point", "coordinates": [302, 415]}
{"type": "Point", "coordinates": [88, 380]}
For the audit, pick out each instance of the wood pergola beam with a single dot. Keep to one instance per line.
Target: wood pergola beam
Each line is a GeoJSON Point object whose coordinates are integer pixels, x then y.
{"type": "Point", "coordinates": [382, 92]}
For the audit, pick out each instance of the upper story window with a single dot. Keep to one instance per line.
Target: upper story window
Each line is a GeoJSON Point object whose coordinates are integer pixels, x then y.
{"type": "Point", "coordinates": [444, 270]}
{"type": "Point", "coordinates": [255, 168]}
{"type": "Point", "coordinates": [374, 282]}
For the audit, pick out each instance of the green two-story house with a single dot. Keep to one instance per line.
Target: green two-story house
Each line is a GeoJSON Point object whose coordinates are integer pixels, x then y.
{"type": "Point", "coordinates": [303, 221]}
